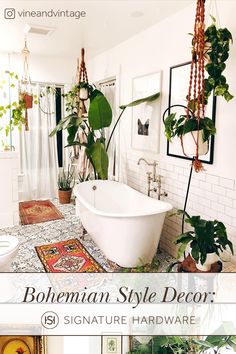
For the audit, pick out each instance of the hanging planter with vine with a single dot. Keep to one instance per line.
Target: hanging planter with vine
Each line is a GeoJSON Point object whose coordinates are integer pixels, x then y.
{"type": "Point", "coordinates": [210, 50]}
{"type": "Point", "coordinates": [26, 97]}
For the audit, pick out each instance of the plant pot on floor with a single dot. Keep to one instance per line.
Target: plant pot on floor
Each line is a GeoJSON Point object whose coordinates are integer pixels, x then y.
{"type": "Point", "coordinates": [64, 196]}
{"type": "Point", "coordinates": [189, 144]}
{"type": "Point", "coordinates": [211, 259]}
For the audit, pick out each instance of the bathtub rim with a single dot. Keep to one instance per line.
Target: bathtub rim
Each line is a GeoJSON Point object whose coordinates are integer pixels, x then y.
{"type": "Point", "coordinates": [166, 206]}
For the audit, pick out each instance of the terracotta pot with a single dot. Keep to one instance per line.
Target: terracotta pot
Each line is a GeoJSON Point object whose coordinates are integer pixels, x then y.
{"type": "Point", "coordinates": [211, 259]}
{"type": "Point", "coordinates": [64, 196]}
{"type": "Point", "coordinates": [28, 99]}
{"type": "Point", "coordinates": [190, 145]}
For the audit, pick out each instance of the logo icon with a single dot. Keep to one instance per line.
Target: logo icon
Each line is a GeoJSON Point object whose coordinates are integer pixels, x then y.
{"type": "Point", "coordinates": [9, 13]}
{"type": "Point", "coordinates": [49, 320]}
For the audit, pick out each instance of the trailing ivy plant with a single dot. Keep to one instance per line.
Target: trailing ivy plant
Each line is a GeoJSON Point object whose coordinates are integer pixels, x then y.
{"type": "Point", "coordinates": [217, 52]}
{"type": "Point", "coordinates": [217, 45]}
{"type": "Point", "coordinates": [13, 112]}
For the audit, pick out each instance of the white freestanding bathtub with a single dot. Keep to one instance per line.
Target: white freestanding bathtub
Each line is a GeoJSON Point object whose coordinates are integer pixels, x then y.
{"type": "Point", "coordinates": [124, 223]}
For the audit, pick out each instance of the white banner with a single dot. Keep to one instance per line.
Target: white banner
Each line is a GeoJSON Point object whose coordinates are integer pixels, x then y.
{"type": "Point", "coordinates": [131, 304]}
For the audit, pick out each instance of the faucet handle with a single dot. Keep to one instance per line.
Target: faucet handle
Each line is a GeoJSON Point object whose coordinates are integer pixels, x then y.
{"type": "Point", "coordinates": [149, 175]}
{"type": "Point", "coordinates": [159, 177]}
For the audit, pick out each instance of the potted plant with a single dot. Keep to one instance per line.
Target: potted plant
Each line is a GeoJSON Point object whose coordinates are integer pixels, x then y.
{"type": "Point", "coordinates": [188, 130]}
{"type": "Point", "coordinates": [99, 117]}
{"type": "Point", "coordinates": [194, 131]}
{"type": "Point", "coordinates": [15, 110]}
{"type": "Point", "coordinates": [27, 99]}
{"type": "Point", "coordinates": [66, 183]}
{"type": "Point", "coordinates": [84, 90]}
{"type": "Point", "coordinates": [206, 240]}
{"type": "Point", "coordinates": [192, 345]}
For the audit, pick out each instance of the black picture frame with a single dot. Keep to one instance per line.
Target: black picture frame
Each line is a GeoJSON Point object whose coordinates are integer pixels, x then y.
{"type": "Point", "coordinates": [210, 160]}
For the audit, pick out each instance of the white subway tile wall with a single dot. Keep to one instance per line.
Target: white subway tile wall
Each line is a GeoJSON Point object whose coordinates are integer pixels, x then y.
{"type": "Point", "coordinates": [211, 197]}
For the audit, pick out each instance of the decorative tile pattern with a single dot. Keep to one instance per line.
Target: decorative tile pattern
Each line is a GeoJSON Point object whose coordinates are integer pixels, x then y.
{"type": "Point", "coordinates": [60, 230]}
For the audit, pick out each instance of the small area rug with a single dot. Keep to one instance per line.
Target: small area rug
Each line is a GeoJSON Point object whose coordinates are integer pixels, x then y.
{"type": "Point", "coordinates": [67, 257]}
{"type": "Point", "coordinates": [36, 211]}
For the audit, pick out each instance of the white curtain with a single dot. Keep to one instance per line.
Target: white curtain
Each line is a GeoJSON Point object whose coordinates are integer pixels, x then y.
{"type": "Point", "coordinates": [38, 152]}
{"type": "Point", "coordinates": [108, 88]}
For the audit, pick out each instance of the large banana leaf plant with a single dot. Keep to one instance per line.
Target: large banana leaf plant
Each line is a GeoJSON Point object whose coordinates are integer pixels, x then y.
{"type": "Point", "coordinates": [123, 107]}
{"type": "Point", "coordinates": [99, 117]}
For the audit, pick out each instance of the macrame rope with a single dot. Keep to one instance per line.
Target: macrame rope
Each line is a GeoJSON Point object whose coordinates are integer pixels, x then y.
{"type": "Point", "coordinates": [26, 76]}
{"type": "Point", "coordinates": [212, 10]}
{"type": "Point", "coordinates": [196, 95]}
{"type": "Point", "coordinates": [25, 84]}
{"type": "Point", "coordinates": [83, 76]}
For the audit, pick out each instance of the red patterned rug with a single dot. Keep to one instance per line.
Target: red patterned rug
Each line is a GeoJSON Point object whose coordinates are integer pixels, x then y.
{"type": "Point", "coordinates": [36, 211]}
{"type": "Point", "coordinates": [67, 257]}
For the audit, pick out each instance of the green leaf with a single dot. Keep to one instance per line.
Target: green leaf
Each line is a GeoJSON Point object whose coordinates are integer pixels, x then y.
{"type": "Point", "coordinates": [100, 113]}
{"type": "Point", "coordinates": [72, 132]}
{"type": "Point", "coordinates": [184, 238]}
{"type": "Point", "coordinates": [195, 250]}
{"type": "Point", "coordinates": [228, 96]}
{"type": "Point", "coordinates": [61, 124]}
{"type": "Point", "coordinates": [75, 121]}
{"type": "Point", "coordinates": [170, 123]}
{"type": "Point", "coordinates": [7, 130]}
{"type": "Point", "coordinates": [75, 143]}
{"type": "Point", "coordinates": [181, 250]}
{"type": "Point", "coordinates": [97, 154]}
{"type": "Point", "coordinates": [213, 18]}
{"type": "Point", "coordinates": [160, 340]}
{"type": "Point", "coordinates": [141, 100]}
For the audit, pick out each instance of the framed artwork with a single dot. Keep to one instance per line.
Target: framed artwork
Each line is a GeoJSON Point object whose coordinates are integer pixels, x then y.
{"type": "Point", "coordinates": [143, 344]}
{"type": "Point", "coordinates": [146, 117]}
{"type": "Point", "coordinates": [178, 89]}
{"type": "Point", "coordinates": [112, 344]}
{"type": "Point", "coordinates": [22, 345]}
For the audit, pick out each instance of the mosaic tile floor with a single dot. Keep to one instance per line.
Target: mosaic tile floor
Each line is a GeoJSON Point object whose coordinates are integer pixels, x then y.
{"type": "Point", "coordinates": [60, 230]}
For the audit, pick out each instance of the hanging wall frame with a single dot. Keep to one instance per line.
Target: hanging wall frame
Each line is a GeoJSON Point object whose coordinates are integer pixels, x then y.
{"type": "Point", "coordinates": [146, 117]}
{"type": "Point", "coordinates": [178, 86]}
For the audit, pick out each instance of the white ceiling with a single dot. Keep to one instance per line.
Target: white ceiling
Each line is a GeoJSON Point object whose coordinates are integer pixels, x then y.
{"type": "Point", "coordinates": [107, 23]}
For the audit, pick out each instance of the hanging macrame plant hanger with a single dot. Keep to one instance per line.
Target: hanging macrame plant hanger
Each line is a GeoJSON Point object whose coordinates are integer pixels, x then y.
{"type": "Point", "coordinates": [25, 85]}
{"type": "Point", "coordinates": [83, 164]}
{"type": "Point", "coordinates": [196, 96]}
{"type": "Point", "coordinates": [82, 79]}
